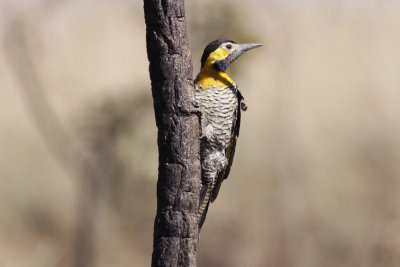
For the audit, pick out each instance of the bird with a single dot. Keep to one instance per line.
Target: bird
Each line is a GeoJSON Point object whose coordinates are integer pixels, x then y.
{"type": "Point", "coordinates": [220, 102]}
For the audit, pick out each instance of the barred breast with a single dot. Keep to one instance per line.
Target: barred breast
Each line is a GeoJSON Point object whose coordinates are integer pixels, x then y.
{"type": "Point", "coordinates": [218, 106]}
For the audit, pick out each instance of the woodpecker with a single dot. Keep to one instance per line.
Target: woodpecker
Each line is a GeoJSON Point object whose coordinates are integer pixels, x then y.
{"type": "Point", "coordinates": [220, 102]}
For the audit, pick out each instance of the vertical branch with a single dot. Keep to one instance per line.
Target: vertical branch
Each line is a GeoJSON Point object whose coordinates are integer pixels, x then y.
{"type": "Point", "coordinates": [175, 227]}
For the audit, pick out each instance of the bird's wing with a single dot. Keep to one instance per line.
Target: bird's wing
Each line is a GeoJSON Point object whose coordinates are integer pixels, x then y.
{"type": "Point", "coordinates": [230, 150]}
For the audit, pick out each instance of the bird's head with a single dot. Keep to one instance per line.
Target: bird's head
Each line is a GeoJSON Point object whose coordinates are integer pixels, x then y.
{"type": "Point", "coordinates": [219, 54]}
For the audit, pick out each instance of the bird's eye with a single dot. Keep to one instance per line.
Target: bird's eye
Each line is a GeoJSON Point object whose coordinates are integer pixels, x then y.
{"type": "Point", "coordinates": [229, 46]}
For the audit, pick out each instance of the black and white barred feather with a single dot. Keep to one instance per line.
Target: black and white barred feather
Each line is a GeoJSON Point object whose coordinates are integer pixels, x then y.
{"type": "Point", "coordinates": [220, 122]}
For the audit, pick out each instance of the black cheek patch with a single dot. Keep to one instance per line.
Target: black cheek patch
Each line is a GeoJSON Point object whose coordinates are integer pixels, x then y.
{"type": "Point", "coordinates": [221, 65]}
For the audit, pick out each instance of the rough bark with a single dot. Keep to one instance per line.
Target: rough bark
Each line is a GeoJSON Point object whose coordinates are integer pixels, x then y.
{"type": "Point", "coordinates": [176, 226]}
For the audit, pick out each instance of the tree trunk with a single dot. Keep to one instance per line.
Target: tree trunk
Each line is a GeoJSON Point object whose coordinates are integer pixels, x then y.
{"type": "Point", "coordinates": [176, 224]}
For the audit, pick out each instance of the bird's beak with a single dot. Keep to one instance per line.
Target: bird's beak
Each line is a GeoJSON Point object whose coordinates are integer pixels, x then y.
{"type": "Point", "coordinates": [241, 49]}
{"type": "Point", "coordinates": [246, 47]}
{"type": "Point", "coordinates": [222, 65]}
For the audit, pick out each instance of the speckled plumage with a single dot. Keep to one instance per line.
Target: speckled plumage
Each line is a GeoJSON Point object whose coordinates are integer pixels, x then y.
{"type": "Point", "coordinates": [220, 104]}
{"type": "Point", "coordinates": [220, 109]}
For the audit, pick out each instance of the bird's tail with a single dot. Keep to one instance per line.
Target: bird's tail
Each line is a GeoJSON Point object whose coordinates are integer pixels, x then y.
{"type": "Point", "coordinates": [202, 217]}
{"type": "Point", "coordinates": [205, 197]}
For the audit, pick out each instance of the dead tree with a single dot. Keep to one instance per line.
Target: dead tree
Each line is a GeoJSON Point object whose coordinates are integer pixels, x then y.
{"type": "Point", "coordinates": [175, 226]}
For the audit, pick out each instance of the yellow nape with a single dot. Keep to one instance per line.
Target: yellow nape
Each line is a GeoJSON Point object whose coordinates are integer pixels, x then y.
{"type": "Point", "coordinates": [209, 76]}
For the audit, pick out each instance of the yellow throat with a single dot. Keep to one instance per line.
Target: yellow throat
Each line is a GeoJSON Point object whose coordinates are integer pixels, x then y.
{"type": "Point", "coordinates": [209, 76]}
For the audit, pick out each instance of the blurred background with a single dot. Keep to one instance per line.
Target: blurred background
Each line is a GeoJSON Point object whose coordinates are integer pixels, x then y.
{"type": "Point", "coordinates": [316, 178]}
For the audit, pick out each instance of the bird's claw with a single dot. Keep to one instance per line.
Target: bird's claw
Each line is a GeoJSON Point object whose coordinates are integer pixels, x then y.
{"type": "Point", "coordinates": [243, 106]}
